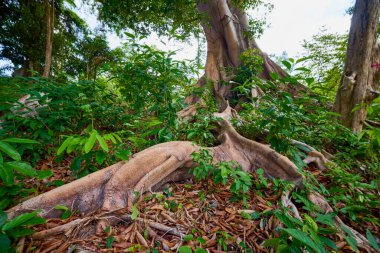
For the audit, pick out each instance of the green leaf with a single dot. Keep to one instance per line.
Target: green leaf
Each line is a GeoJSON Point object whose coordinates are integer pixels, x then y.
{"type": "Point", "coordinates": [19, 220]}
{"type": "Point", "coordinates": [135, 212]}
{"type": "Point", "coordinates": [19, 140]}
{"type": "Point", "coordinates": [184, 249]}
{"type": "Point", "coordinates": [5, 243]}
{"type": "Point", "coordinates": [22, 168]}
{"type": "Point", "coordinates": [273, 242]}
{"type": "Point", "coordinates": [63, 208]}
{"type": "Point", "coordinates": [274, 75]}
{"type": "Point", "coordinates": [199, 250]}
{"type": "Point", "coordinates": [130, 35]}
{"type": "Point", "coordinates": [90, 142]}
{"type": "Point", "coordinates": [326, 219]}
{"type": "Point", "coordinates": [117, 137]}
{"type": "Point", "coordinates": [110, 241]}
{"type": "Point", "coordinates": [302, 237]}
{"type": "Point", "coordinates": [311, 223]}
{"type": "Point", "coordinates": [102, 142]}
{"type": "Point", "coordinates": [37, 220]}
{"type": "Point", "coordinates": [4, 203]}
{"type": "Point", "coordinates": [350, 238]}
{"type": "Point", "coordinates": [188, 237]}
{"type": "Point", "coordinates": [9, 150]}
{"type": "Point", "coordinates": [100, 157]}
{"type": "Point", "coordinates": [66, 212]}
{"type": "Point", "coordinates": [287, 64]}
{"type": "Point", "coordinates": [20, 232]}
{"type": "Point", "coordinates": [372, 240]}
{"type": "Point", "coordinates": [191, 134]}
{"type": "Point", "coordinates": [64, 145]}
{"type": "Point", "coordinates": [6, 174]}
{"type": "Point", "coordinates": [328, 242]}
{"type": "Point", "coordinates": [42, 174]}
{"type": "Point", "coordinates": [3, 218]}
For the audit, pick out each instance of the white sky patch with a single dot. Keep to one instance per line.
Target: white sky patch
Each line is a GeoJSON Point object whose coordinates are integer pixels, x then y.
{"type": "Point", "coordinates": [293, 21]}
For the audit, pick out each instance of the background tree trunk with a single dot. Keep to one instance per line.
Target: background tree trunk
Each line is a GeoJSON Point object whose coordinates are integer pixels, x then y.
{"type": "Point", "coordinates": [358, 75]}
{"type": "Point", "coordinates": [49, 37]}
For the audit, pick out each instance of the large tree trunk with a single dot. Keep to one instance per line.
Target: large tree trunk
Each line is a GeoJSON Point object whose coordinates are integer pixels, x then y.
{"type": "Point", "coordinates": [357, 83]}
{"type": "Point", "coordinates": [49, 36]}
{"type": "Point", "coordinates": [225, 28]}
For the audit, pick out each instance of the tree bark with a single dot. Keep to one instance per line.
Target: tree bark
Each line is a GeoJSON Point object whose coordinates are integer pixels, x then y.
{"type": "Point", "coordinates": [49, 36]}
{"type": "Point", "coordinates": [359, 74]}
{"type": "Point", "coordinates": [225, 29]}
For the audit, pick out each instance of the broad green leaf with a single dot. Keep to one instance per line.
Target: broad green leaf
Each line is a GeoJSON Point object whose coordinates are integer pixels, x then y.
{"type": "Point", "coordinates": [135, 212]}
{"type": "Point", "coordinates": [6, 174]}
{"type": "Point", "coordinates": [66, 211]}
{"type": "Point", "coordinates": [273, 242]}
{"type": "Point", "coordinates": [90, 142]}
{"type": "Point", "coordinates": [3, 218]}
{"type": "Point", "coordinates": [100, 157]}
{"type": "Point", "coordinates": [5, 243]}
{"type": "Point", "coordinates": [274, 75]}
{"type": "Point", "coordinates": [110, 137]}
{"type": "Point", "coordinates": [189, 237]}
{"type": "Point", "coordinates": [311, 223]}
{"type": "Point", "coordinates": [20, 232]}
{"type": "Point", "coordinates": [372, 240]}
{"type": "Point", "coordinates": [22, 168]}
{"type": "Point", "coordinates": [42, 174]}
{"type": "Point", "coordinates": [326, 219]}
{"type": "Point", "coordinates": [199, 250]}
{"type": "Point", "coordinates": [191, 134]}
{"type": "Point", "coordinates": [64, 145]}
{"type": "Point", "coordinates": [19, 220]}
{"type": "Point", "coordinates": [1, 158]}
{"type": "Point", "coordinates": [102, 142]}
{"type": "Point", "coordinates": [110, 241]}
{"type": "Point", "coordinates": [130, 35]}
{"type": "Point", "coordinates": [352, 242]}
{"type": "Point", "coordinates": [37, 220]}
{"type": "Point", "coordinates": [303, 237]}
{"type": "Point", "coordinates": [117, 137]}
{"type": "Point", "coordinates": [328, 242]}
{"type": "Point", "coordinates": [184, 249]}
{"type": "Point", "coordinates": [287, 64]}
{"type": "Point", "coordinates": [4, 203]}
{"type": "Point", "coordinates": [19, 140]}
{"type": "Point", "coordinates": [9, 150]}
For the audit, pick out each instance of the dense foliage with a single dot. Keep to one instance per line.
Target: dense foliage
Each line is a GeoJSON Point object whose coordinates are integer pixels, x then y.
{"type": "Point", "coordinates": [102, 105]}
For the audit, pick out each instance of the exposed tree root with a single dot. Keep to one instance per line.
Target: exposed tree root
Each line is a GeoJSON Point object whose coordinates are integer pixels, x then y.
{"type": "Point", "coordinates": [72, 227]}
{"type": "Point", "coordinates": [286, 202]}
{"type": "Point", "coordinates": [113, 188]}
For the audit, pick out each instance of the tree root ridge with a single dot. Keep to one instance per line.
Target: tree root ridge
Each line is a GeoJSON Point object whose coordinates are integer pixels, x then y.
{"type": "Point", "coordinates": [112, 188]}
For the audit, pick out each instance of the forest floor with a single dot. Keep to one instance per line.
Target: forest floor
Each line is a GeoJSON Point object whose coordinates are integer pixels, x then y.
{"type": "Point", "coordinates": [187, 215]}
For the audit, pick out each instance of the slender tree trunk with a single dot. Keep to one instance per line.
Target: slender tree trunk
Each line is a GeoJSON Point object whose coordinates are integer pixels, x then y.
{"type": "Point", "coordinates": [357, 83]}
{"type": "Point", "coordinates": [49, 36]}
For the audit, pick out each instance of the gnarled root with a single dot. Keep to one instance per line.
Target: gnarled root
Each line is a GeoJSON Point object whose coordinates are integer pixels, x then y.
{"type": "Point", "coordinates": [111, 188]}
{"type": "Point", "coordinates": [287, 203]}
